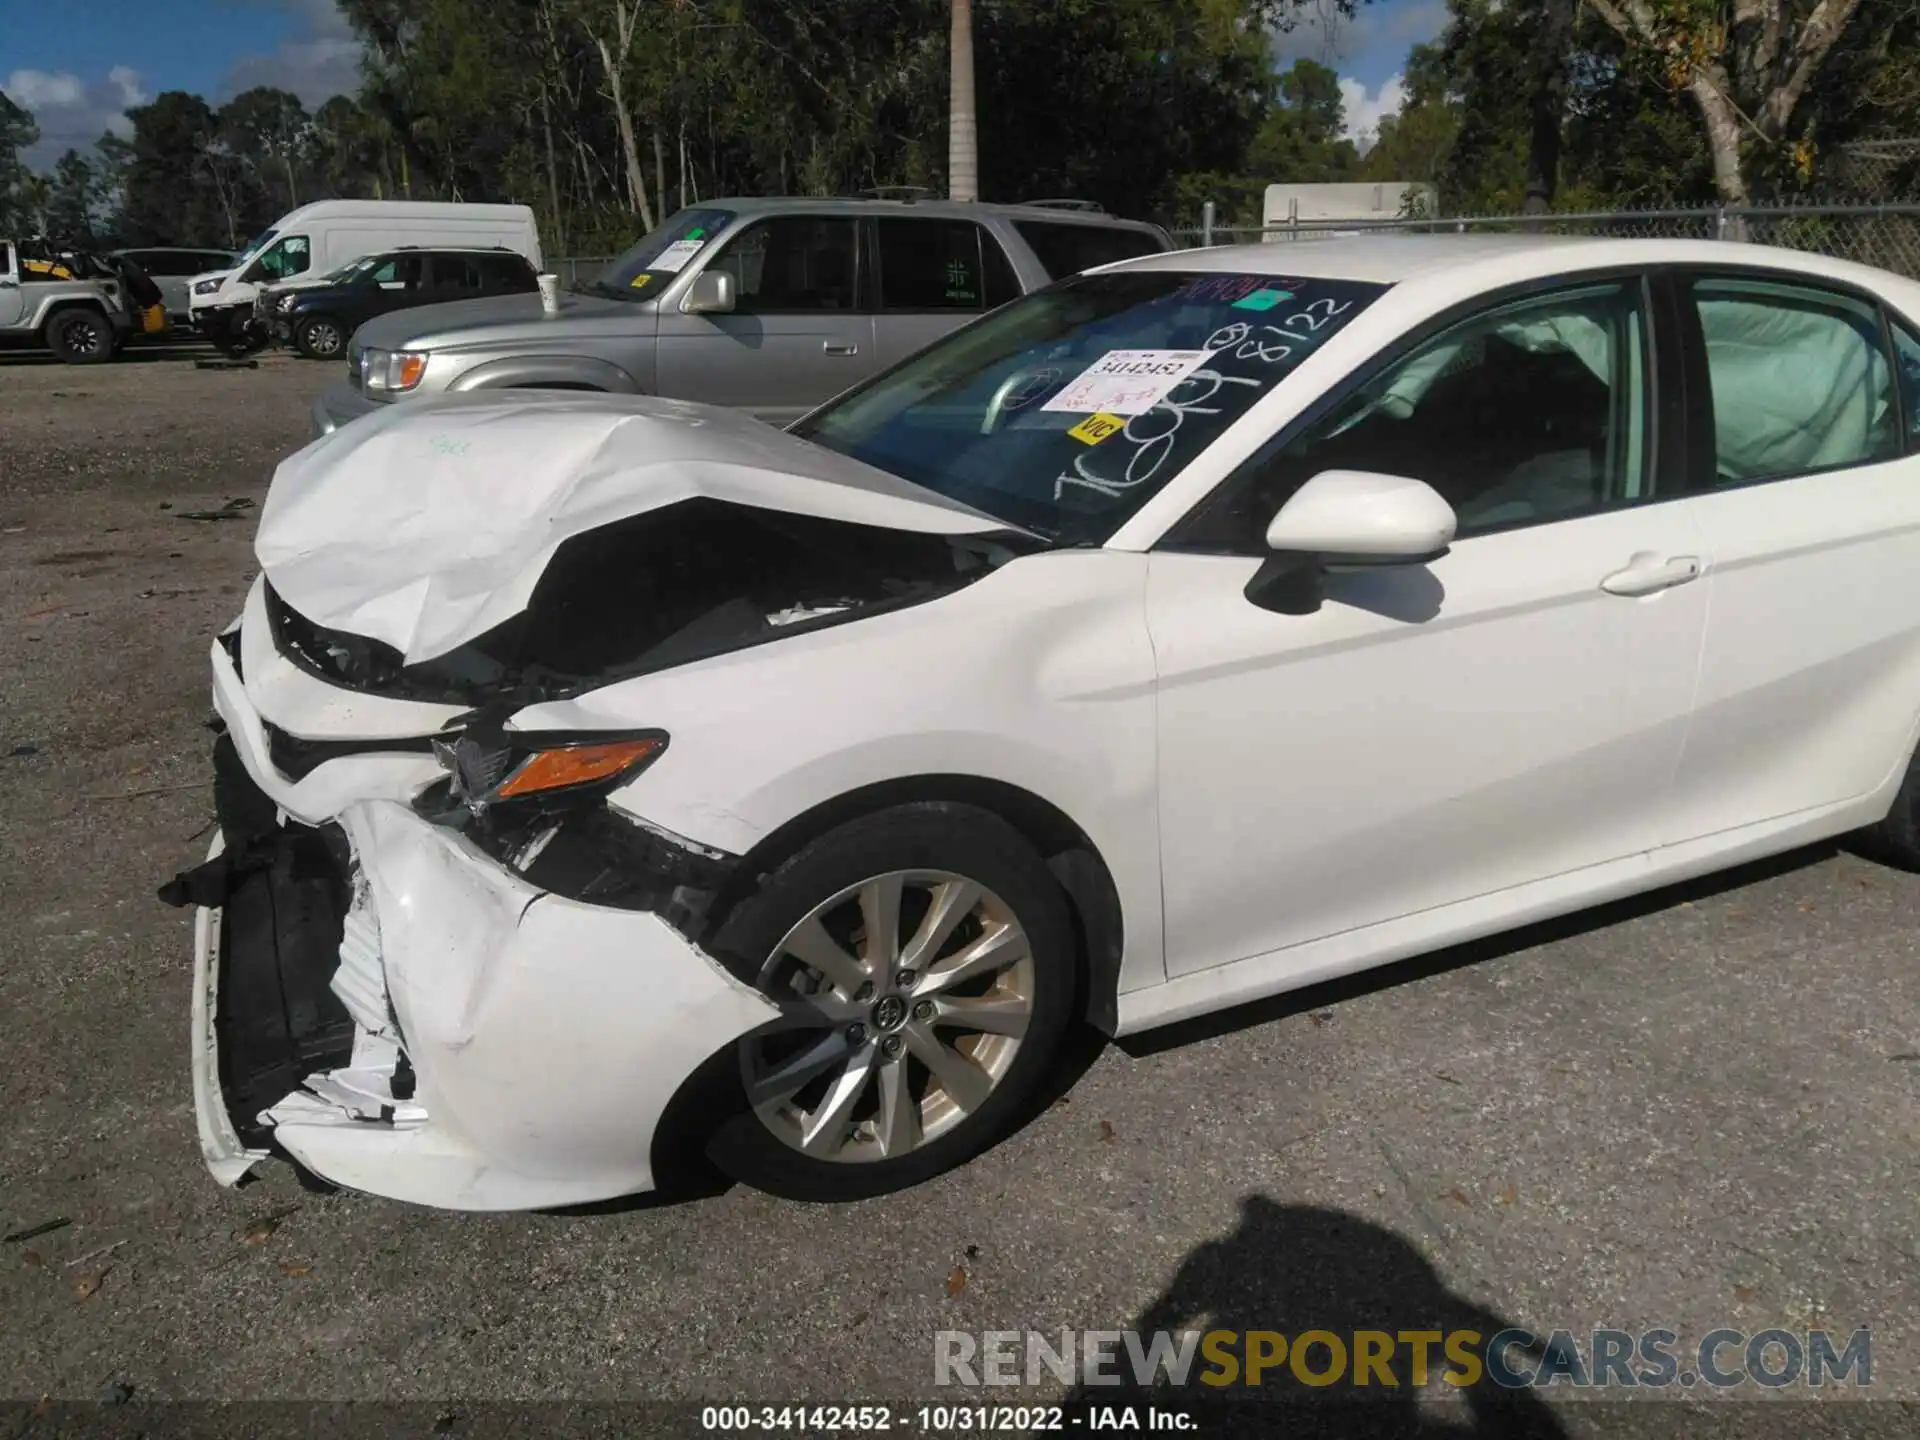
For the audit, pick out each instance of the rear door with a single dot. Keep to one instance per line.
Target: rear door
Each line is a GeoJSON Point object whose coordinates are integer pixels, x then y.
{"type": "Point", "coordinates": [798, 334]}
{"type": "Point", "coordinates": [930, 276]}
{"type": "Point", "coordinates": [1808, 481]}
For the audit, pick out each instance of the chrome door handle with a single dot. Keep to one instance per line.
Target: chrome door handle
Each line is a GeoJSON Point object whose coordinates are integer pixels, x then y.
{"type": "Point", "coordinates": [834, 347]}
{"type": "Point", "coordinates": [1647, 574]}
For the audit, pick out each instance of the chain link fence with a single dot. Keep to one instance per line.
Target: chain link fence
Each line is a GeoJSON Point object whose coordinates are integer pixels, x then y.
{"type": "Point", "coordinates": [1884, 235]}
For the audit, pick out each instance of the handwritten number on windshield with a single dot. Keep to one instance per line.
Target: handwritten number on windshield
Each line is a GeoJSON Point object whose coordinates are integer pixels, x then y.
{"type": "Point", "coordinates": [1152, 433]}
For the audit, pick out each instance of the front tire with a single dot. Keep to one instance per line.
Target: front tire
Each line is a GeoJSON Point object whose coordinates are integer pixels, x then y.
{"type": "Point", "coordinates": [923, 959]}
{"type": "Point", "coordinates": [320, 337]}
{"type": "Point", "coordinates": [1896, 839]}
{"type": "Point", "coordinates": [80, 336]}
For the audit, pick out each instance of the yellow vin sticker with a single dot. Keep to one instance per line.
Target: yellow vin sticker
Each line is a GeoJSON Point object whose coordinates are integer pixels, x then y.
{"type": "Point", "coordinates": [1097, 427]}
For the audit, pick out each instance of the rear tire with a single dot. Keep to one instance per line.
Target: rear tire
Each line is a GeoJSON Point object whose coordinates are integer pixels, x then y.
{"type": "Point", "coordinates": [320, 337]}
{"type": "Point", "coordinates": [81, 335]}
{"type": "Point", "coordinates": [1896, 839]}
{"type": "Point", "coordinates": [920, 1069]}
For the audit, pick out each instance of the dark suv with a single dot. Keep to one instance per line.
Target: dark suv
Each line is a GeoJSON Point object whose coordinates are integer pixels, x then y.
{"type": "Point", "coordinates": [318, 320]}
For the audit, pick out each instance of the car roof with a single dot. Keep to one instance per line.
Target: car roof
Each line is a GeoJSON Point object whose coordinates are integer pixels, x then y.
{"type": "Point", "coordinates": [1490, 259]}
{"type": "Point", "coordinates": [452, 250]}
{"type": "Point", "coordinates": [1068, 212]}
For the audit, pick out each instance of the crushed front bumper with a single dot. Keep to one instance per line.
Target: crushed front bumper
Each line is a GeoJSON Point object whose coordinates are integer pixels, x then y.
{"type": "Point", "coordinates": [402, 1014]}
{"type": "Point", "coordinates": [510, 1049]}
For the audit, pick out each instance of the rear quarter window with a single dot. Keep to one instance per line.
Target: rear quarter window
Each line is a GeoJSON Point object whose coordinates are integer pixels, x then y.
{"type": "Point", "coordinates": [1065, 248]}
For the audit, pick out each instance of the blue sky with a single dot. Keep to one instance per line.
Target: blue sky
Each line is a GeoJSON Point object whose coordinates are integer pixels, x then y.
{"type": "Point", "coordinates": [78, 64]}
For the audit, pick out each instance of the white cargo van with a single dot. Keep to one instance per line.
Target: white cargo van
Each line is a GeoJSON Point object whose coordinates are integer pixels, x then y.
{"type": "Point", "coordinates": [307, 244]}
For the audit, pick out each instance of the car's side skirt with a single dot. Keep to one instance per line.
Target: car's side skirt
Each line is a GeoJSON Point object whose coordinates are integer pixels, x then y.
{"type": "Point", "coordinates": [1330, 957]}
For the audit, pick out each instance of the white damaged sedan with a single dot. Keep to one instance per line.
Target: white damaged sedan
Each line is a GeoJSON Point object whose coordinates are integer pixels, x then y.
{"type": "Point", "coordinates": [607, 780]}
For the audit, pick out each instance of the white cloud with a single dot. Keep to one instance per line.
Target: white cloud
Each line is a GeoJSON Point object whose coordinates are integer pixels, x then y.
{"type": "Point", "coordinates": [1374, 40]}
{"type": "Point", "coordinates": [321, 61]}
{"type": "Point", "coordinates": [127, 81]}
{"type": "Point", "coordinates": [37, 90]}
{"type": "Point", "coordinates": [73, 112]}
{"type": "Point", "coordinates": [1365, 109]}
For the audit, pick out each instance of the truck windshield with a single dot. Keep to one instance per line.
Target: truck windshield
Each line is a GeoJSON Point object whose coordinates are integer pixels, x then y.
{"type": "Point", "coordinates": [660, 256]}
{"type": "Point", "coordinates": [260, 242]}
{"type": "Point", "coordinates": [1065, 411]}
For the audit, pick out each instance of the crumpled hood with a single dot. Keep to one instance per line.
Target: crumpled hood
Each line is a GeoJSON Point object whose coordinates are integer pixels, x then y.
{"type": "Point", "coordinates": [425, 525]}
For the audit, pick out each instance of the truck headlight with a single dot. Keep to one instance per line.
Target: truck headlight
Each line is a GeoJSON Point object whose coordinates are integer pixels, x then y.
{"type": "Point", "coordinates": [208, 287]}
{"type": "Point", "coordinates": [394, 372]}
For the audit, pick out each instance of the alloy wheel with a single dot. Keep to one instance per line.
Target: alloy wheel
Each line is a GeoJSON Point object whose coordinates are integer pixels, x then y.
{"type": "Point", "coordinates": [85, 336]}
{"type": "Point", "coordinates": [323, 338]}
{"type": "Point", "coordinates": [903, 1001]}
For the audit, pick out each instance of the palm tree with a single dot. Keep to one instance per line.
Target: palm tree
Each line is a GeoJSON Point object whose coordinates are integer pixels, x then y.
{"type": "Point", "coordinates": [963, 131]}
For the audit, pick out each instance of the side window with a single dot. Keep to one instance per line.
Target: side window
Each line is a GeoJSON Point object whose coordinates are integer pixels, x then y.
{"type": "Point", "coordinates": [456, 273]}
{"type": "Point", "coordinates": [1067, 249]}
{"type": "Point", "coordinates": [1798, 377]}
{"type": "Point", "coordinates": [1906, 351]}
{"type": "Point", "coordinates": [288, 256]}
{"type": "Point", "coordinates": [505, 272]}
{"type": "Point", "coordinates": [1529, 413]}
{"type": "Point", "coordinates": [932, 265]}
{"type": "Point", "coordinates": [792, 264]}
{"type": "Point", "coordinates": [6, 258]}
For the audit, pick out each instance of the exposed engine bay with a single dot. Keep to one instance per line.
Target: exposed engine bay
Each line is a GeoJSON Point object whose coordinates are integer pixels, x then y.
{"type": "Point", "coordinates": [662, 588]}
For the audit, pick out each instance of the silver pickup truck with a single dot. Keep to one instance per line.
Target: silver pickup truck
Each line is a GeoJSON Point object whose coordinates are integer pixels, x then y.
{"type": "Point", "coordinates": [772, 306]}
{"type": "Point", "coordinates": [82, 320]}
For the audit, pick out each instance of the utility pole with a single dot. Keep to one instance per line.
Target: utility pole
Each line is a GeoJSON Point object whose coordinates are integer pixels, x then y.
{"type": "Point", "coordinates": [963, 130]}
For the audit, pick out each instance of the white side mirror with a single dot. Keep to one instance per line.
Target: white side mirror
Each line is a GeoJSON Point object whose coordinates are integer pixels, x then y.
{"type": "Point", "coordinates": [1340, 513]}
{"type": "Point", "coordinates": [1349, 518]}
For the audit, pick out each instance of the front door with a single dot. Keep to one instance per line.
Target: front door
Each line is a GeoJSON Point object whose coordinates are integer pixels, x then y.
{"type": "Point", "coordinates": [1511, 712]}
{"type": "Point", "coordinates": [797, 335]}
{"type": "Point", "coordinates": [13, 302]}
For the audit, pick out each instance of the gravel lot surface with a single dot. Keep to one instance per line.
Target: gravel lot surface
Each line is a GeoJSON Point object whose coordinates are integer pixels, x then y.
{"type": "Point", "coordinates": [1698, 1110]}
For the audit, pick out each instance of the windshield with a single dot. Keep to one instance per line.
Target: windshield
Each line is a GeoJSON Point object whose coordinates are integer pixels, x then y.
{"type": "Point", "coordinates": [1065, 411]}
{"type": "Point", "coordinates": [662, 255]}
{"type": "Point", "coordinates": [261, 241]}
{"type": "Point", "coordinates": [349, 270]}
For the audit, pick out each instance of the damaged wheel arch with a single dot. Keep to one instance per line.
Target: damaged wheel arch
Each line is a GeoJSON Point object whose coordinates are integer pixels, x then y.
{"type": "Point", "coordinates": [1077, 866]}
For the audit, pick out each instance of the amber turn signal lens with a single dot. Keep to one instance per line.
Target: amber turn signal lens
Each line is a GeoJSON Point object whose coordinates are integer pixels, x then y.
{"type": "Point", "coordinates": [407, 370]}
{"type": "Point", "coordinates": [577, 765]}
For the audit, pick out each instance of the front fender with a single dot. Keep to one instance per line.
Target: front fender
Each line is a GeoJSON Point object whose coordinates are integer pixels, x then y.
{"type": "Point", "coordinates": [575, 372]}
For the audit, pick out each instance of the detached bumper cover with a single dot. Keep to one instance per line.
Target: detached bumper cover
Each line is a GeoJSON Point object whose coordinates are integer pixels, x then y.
{"type": "Point", "coordinates": [543, 1039]}
{"type": "Point", "coordinates": [402, 1014]}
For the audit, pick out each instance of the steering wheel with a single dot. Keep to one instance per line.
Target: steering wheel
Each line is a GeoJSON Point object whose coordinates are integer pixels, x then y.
{"type": "Point", "coordinates": [997, 406]}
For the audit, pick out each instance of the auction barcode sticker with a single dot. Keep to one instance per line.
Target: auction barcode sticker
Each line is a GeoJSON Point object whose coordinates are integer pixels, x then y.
{"type": "Point", "coordinates": [1127, 382]}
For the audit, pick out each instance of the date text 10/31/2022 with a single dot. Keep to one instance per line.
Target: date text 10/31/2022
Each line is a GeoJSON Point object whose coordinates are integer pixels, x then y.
{"type": "Point", "coordinates": [943, 1419]}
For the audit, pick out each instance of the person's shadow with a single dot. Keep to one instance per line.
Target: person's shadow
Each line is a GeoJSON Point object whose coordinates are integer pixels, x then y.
{"type": "Point", "coordinates": [1296, 1268]}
